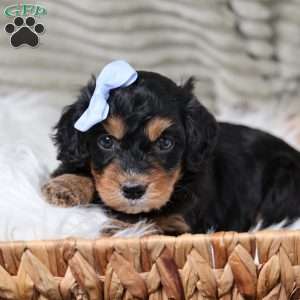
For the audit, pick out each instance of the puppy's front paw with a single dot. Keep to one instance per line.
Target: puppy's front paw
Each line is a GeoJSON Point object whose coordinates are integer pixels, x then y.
{"type": "Point", "coordinates": [69, 190]}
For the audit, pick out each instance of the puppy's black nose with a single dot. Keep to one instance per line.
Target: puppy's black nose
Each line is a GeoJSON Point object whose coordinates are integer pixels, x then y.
{"type": "Point", "coordinates": [133, 191]}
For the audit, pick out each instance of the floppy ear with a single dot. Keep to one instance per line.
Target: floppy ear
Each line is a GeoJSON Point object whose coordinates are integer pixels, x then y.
{"type": "Point", "coordinates": [201, 130]}
{"type": "Point", "coordinates": [71, 143]}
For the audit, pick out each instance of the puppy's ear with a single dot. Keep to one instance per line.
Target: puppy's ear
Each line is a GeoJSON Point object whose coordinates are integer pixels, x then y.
{"type": "Point", "coordinates": [71, 143]}
{"type": "Point", "coordinates": [201, 129]}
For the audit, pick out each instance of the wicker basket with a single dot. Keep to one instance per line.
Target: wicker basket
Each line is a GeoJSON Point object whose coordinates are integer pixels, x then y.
{"type": "Point", "coordinates": [227, 265]}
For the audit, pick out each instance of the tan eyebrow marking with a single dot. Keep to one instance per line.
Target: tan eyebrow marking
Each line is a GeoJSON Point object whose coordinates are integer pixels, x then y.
{"type": "Point", "coordinates": [115, 126]}
{"type": "Point", "coordinates": [156, 127]}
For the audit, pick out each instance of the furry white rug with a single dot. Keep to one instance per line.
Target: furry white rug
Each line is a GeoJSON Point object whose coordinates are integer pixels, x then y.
{"type": "Point", "coordinates": [24, 214]}
{"type": "Point", "coordinates": [27, 155]}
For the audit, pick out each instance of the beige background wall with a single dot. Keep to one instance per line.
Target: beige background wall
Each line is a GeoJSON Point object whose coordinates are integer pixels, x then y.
{"type": "Point", "coordinates": [244, 52]}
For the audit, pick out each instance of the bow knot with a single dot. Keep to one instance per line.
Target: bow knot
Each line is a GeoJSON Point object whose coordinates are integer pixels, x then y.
{"type": "Point", "coordinates": [114, 75]}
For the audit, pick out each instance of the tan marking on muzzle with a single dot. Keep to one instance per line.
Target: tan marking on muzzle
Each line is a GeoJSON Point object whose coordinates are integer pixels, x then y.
{"type": "Point", "coordinates": [160, 185]}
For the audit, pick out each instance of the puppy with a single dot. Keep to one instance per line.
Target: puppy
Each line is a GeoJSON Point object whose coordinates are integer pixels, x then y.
{"type": "Point", "coordinates": [161, 156]}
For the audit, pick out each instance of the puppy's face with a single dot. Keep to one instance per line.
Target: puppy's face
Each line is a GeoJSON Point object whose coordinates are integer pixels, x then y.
{"type": "Point", "coordinates": [136, 153]}
{"type": "Point", "coordinates": [156, 133]}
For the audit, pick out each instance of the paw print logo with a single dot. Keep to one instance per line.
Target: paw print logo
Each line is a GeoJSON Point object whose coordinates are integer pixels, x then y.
{"type": "Point", "coordinates": [24, 31]}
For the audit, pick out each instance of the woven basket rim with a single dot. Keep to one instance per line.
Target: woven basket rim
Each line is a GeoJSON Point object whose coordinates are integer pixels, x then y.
{"type": "Point", "coordinates": [247, 265]}
{"type": "Point", "coordinates": [277, 233]}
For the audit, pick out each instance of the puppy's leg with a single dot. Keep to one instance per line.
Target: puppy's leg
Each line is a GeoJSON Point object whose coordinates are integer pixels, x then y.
{"type": "Point", "coordinates": [69, 190]}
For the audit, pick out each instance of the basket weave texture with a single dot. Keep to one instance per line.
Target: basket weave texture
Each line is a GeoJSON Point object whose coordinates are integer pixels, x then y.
{"type": "Point", "coordinates": [265, 265]}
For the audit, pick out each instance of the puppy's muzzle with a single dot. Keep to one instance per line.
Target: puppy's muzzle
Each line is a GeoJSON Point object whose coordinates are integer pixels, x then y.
{"type": "Point", "coordinates": [133, 191]}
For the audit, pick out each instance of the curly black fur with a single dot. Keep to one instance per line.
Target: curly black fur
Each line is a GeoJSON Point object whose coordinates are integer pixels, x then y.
{"type": "Point", "coordinates": [232, 176]}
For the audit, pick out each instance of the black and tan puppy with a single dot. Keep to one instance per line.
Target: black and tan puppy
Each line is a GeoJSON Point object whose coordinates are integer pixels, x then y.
{"type": "Point", "coordinates": [161, 155]}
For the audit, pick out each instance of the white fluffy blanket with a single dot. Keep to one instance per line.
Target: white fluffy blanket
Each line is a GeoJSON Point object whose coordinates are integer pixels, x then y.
{"type": "Point", "coordinates": [27, 156]}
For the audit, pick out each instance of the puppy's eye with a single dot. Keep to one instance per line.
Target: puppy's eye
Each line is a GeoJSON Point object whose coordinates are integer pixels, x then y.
{"type": "Point", "coordinates": [106, 142]}
{"type": "Point", "coordinates": [165, 143]}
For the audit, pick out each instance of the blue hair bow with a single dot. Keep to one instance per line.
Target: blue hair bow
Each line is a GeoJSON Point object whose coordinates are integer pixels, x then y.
{"type": "Point", "coordinates": [114, 75]}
